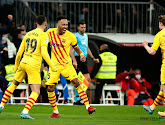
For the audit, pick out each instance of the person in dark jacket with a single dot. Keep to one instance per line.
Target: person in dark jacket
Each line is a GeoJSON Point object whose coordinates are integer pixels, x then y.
{"type": "Point", "coordinates": [105, 72]}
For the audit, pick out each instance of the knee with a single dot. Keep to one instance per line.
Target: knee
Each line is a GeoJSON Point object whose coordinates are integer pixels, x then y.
{"type": "Point", "coordinates": [15, 82]}
{"type": "Point", "coordinates": [50, 88]}
{"type": "Point", "coordinates": [38, 91]}
{"type": "Point", "coordinates": [75, 82]}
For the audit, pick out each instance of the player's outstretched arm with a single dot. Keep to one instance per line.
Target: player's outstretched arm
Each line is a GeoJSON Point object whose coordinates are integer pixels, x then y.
{"type": "Point", "coordinates": [46, 57]}
{"type": "Point", "coordinates": [149, 49]}
{"type": "Point", "coordinates": [91, 55]}
{"type": "Point", "coordinates": [19, 55]}
{"type": "Point", "coordinates": [73, 57]}
{"type": "Point", "coordinates": [81, 54]}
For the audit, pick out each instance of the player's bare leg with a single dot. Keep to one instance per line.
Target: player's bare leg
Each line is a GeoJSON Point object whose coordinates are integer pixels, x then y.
{"type": "Point", "coordinates": [83, 95]}
{"type": "Point", "coordinates": [52, 101]}
{"type": "Point", "coordinates": [87, 76]}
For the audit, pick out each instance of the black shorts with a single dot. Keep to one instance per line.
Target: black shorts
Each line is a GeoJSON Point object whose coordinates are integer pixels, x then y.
{"type": "Point", "coordinates": [81, 66]}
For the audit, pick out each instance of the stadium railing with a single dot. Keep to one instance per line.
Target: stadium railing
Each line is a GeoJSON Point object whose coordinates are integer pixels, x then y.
{"type": "Point", "coordinates": [100, 16]}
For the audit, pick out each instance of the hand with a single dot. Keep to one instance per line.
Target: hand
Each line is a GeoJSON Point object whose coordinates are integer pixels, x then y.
{"type": "Point", "coordinates": [140, 80]}
{"type": "Point", "coordinates": [131, 71]}
{"type": "Point", "coordinates": [145, 43]}
{"type": "Point", "coordinates": [96, 60]}
{"type": "Point", "coordinates": [5, 49]}
{"type": "Point", "coordinates": [75, 64]}
{"type": "Point", "coordinates": [15, 68]}
{"type": "Point", "coordinates": [82, 58]}
{"type": "Point", "coordinates": [10, 17]}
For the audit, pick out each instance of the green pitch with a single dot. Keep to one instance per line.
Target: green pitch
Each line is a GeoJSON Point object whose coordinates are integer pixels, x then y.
{"type": "Point", "coordinates": [77, 115]}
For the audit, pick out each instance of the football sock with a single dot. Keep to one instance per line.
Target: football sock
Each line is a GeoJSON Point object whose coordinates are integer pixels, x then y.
{"type": "Point", "coordinates": [52, 101]}
{"type": "Point", "coordinates": [83, 96]}
{"type": "Point", "coordinates": [157, 101]}
{"type": "Point", "coordinates": [9, 91]}
{"type": "Point", "coordinates": [31, 100]}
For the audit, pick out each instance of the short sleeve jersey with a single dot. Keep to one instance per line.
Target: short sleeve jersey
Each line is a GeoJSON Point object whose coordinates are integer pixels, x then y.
{"type": "Point", "coordinates": [60, 46]}
{"type": "Point", "coordinates": [32, 43]}
{"type": "Point", "coordinates": [160, 41]}
{"type": "Point", "coordinates": [82, 41]}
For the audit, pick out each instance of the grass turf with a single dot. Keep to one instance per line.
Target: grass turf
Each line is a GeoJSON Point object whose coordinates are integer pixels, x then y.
{"type": "Point", "coordinates": [77, 115]}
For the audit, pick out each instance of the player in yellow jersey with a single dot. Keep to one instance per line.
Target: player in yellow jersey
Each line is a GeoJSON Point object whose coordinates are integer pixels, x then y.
{"type": "Point", "coordinates": [61, 40]}
{"type": "Point", "coordinates": [158, 42]}
{"type": "Point", "coordinates": [34, 46]}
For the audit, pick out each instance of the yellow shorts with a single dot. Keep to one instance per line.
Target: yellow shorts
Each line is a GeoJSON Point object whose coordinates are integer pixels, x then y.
{"type": "Point", "coordinates": [66, 71]}
{"type": "Point", "coordinates": [162, 76]}
{"type": "Point", "coordinates": [32, 73]}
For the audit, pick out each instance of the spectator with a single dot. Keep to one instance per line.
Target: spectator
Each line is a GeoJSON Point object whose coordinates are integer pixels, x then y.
{"type": "Point", "coordinates": [3, 83]}
{"type": "Point", "coordinates": [140, 85]}
{"type": "Point", "coordinates": [22, 27]}
{"type": "Point", "coordinates": [8, 28]}
{"type": "Point", "coordinates": [104, 71]}
{"type": "Point", "coordinates": [18, 37]}
{"type": "Point", "coordinates": [2, 48]}
{"type": "Point", "coordinates": [11, 50]}
{"type": "Point", "coordinates": [124, 80]}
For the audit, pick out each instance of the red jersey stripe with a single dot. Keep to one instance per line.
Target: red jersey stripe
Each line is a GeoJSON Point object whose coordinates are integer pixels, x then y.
{"type": "Point", "coordinates": [158, 99]}
{"type": "Point", "coordinates": [51, 97]}
{"type": "Point", "coordinates": [29, 105]}
{"type": "Point", "coordinates": [85, 98]}
{"type": "Point", "coordinates": [54, 106]}
{"type": "Point", "coordinates": [30, 102]}
{"type": "Point", "coordinates": [52, 100]}
{"type": "Point", "coordinates": [55, 49]}
{"type": "Point", "coordinates": [27, 108]}
{"type": "Point", "coordinates": [61, 44]}
{"type": "Point", "coordinates": [9, 91]}
{"type": "Point", "coordinates": [7, 95]}
{"type": "Point", "coordinates": [85, 101]}
{"type": "Point", "coordinates": [5, 98]}
{"type": "Point", "coordinates": [3, 101]}
{"type": "Point", "coordinates": [82, 95]}
{"type": "Point", "coordinates": [58, 46]}
{"type": "Point", "coordinates": [161, 96]}
{"type": "Point", "coordinates": [32, 99]}
{"type": "Point", "coordinates": [81, 92]}
{"type": "Point", "coordinates": [157, 102]}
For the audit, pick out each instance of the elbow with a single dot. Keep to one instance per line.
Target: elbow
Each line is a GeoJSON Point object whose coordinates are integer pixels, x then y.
{"type": "Point", "coordinates": [152, 52]}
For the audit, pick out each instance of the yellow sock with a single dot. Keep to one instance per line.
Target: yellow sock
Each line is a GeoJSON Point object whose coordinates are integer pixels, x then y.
{"type": "Point", "coordinates": [9, 91]}
{"type": "Point", "coordinates": [31, 100]}
{"type": "Point", "coordinates": [158, 99]}
{"type": "Point", "coordinates": [52, 100]}
{"type": "Point", "coordinates": [82, 95]}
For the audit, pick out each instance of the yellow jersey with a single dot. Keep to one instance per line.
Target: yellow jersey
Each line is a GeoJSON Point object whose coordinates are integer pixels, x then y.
{"type": "Point", "coordinates": [60, 46]}
{"type": "Point", "coordinates": [31, 45]}
{"type": "Point", "coordinates": [159, 40]}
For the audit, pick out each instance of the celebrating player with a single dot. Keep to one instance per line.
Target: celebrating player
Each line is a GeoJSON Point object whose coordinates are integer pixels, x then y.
{"type": "Point", "coordinates": [60, 40]}
{"type": "Point", "coordinates": [158, 41]}
{"type": "Point", "coordinates": [34, 47]}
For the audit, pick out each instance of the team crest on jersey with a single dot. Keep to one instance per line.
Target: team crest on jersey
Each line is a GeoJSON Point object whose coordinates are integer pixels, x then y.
{"type": "Point", "coordinates": [63, 40]}
{"type": "Point", "coordinates": [46, 41]}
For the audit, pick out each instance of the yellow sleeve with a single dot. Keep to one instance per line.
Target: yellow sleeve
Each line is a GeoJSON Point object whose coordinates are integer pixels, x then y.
{"type": "Point", "coordinates": [73, 40]}
{"type": "Point", "coordinates": [19, 54]}
{"type": "Point", "coordinates": [44, 40]}
{"type": "Point", "coordinates": [156, 43]}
